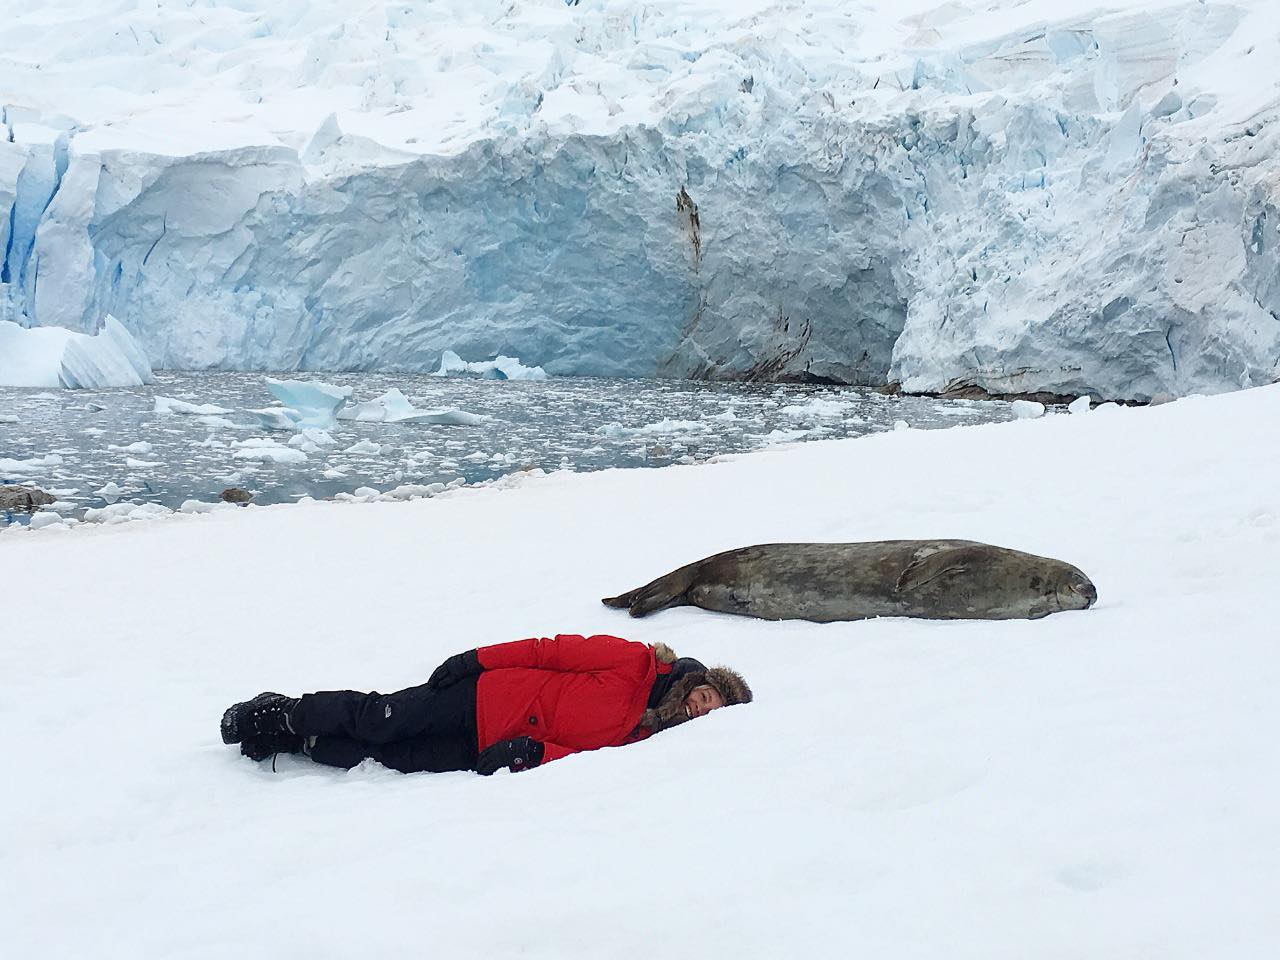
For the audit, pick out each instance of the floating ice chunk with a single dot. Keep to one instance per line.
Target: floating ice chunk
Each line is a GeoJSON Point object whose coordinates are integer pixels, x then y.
{"type": "Point", "coordinates": [1027, 409]}
{"type": "Point", "coordinates": [8, 418]}
{"type": "Point", "coordinates": [394, 407]}
{"type": "Point", "coordinates": [215, 422]}
{"type": "Point", "coordinates": [171, 405]}
{"type": "Point", "coordinates": [44, 520]}
{"type": "Point", "coordinates": [135, 464]}
{"type": "Point", "coordinates": [110, 493]}
{"type": "Point", "coordinates": [55, 357]}
{"type": "Point", "coordinates": [332, 473]}
{"type": "Point", "coordinates": [316, 403]}
{"type": "Point", "coordinates": [28, 466]}
{"type": "Point", "coordinates": [271, 454]}
{"type": "Point", "coordinates": [277, 418]}
{"type": "Point", "coordinates": [901, 425]}
{"type": "Point", "coordinates": [140, 446]}
{"type": "Point", "coordinates": [499, 368]}
{"type": "Point", "coordinates": [391, 406]}
{"type": "Point", "coordinates": [311, 440]}
{"type": "Point", "coordinates": [450, 417]}
{"type": "Point", "coordinates": [660, 427]}
{"type": "Point", "coordinates": [817, 408]}
{"type": "Point", "coordinates": [364, 446]}
{"type": "Point", "coordinates": [1080, 404]}
{"type": "Point", "coordinates": [367, 492]}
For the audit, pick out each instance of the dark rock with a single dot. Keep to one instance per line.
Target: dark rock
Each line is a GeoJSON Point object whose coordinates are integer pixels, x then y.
{"type": "Point", "coordinates": [235, 495]}
{"type": "Point", "coordinates": [27, 499]}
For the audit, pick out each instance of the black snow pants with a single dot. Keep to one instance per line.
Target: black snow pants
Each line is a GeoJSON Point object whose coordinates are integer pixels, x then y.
{"type": "Point", "coordinates": [412, 730]}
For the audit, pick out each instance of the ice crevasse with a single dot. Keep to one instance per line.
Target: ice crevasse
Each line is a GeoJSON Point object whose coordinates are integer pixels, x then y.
{"type": "Point", "coordinates": [1008, 197]}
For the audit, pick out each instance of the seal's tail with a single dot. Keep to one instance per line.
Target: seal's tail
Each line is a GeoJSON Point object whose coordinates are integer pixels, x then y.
{"type": "Point", "coordinates": [645, 600]}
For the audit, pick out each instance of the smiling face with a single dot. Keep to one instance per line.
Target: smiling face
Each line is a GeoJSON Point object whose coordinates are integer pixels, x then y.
{"type": "Point", "coordinates": [702, 700]}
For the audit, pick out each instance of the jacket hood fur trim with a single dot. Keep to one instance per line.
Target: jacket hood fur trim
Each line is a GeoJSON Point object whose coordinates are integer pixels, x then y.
{"type": "Point", "coordinates": [664, 654]}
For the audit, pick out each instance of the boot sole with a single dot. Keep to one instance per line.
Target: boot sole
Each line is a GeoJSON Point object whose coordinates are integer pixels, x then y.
{"type": "Point", "coordinates": [229, 732]}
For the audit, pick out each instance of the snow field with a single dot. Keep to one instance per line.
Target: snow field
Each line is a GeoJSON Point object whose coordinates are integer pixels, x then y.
{"type": "Point", "coordinates": [1097, 784]}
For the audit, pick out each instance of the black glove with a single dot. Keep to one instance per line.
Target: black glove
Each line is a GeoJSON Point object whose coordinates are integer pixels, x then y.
{"type": "Point", "coordinates": [458, 667]}
{"type": "Point", "coordinates": [516, 755]}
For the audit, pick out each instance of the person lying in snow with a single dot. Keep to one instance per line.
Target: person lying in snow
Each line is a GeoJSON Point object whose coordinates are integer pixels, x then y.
{"type": "Point", "coordinates": [513, 705]}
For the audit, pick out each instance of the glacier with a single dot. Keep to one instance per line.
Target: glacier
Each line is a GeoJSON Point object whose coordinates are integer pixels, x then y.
{"type": "Point", "coordinates": [1013, 197]}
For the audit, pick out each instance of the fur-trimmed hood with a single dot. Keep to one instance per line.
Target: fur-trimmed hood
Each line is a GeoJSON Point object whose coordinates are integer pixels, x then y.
{"type": "Point", "coordinates": [686, 673]}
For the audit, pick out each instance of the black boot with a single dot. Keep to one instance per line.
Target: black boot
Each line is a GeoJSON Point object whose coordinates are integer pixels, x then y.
{"type": "Point", "coordinates": [265, 714]}
{"type": "Point", "coordinates": [262, 745]}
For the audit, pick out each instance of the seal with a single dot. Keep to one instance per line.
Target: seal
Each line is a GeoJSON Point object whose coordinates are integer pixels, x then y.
{"type": "Point", "coordinates": [826, 582]}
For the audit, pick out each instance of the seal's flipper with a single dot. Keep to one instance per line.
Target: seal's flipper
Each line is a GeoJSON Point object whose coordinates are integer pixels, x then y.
{"type": "Point", "coordinates": [666, 591]}
{"type": "Point", "coordinates": [656, 596]}
{"type": "Point", "coordinates": [622, 599]}
{"type": "Point", "coordinates": [943, 563]}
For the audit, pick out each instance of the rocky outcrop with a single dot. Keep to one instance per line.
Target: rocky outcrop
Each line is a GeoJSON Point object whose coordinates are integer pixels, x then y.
{"type": "Point", "coordinates": [23, 499]}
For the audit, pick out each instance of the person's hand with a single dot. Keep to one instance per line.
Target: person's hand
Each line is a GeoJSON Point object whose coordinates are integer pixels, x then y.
{"type": "Point", "coordinates": [458, 667]}
{"type": "Point", "coordinates": [516, 755]}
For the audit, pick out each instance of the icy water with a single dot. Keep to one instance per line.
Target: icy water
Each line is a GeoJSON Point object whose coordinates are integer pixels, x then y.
{"type": "Point", "coordinates": [575, 424]}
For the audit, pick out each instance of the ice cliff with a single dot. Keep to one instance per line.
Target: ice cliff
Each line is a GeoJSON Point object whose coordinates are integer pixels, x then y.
{"type": "Point", "coordinates": [1013, 196]}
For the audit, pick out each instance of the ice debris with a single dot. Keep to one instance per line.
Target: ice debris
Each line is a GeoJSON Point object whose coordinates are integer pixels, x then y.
{"type": "Point", "coordinates": [56, 357]}
{"type": "Point", "coordinates": [1080, 404]}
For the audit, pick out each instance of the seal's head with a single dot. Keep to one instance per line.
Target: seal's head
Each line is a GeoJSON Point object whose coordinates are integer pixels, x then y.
{"type": "Point", "coordinates": [1057, 586]}
{"type": "Point", "coordinates": [1075, 591]}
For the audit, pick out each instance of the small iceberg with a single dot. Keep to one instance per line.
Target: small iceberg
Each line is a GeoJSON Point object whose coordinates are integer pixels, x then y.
{"type": "Point", "coordinates": [499, 368]}
{"type": "Point", "coordinates": [56, 357]}
{"type": "Point", "coordinates": [394, 407]}
{"type": "Point", "coordinates": [315, 403]}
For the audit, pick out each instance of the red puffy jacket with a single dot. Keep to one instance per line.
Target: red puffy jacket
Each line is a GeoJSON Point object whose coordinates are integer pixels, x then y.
{"type": "Point", "coordinates": [572, 693]}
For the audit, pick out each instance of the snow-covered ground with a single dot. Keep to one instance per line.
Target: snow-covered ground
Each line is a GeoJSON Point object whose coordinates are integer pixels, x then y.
{"type": "Point", "coordinates": [1100, 784]}
{"type": "Point", "coordinates": [1014, 195]}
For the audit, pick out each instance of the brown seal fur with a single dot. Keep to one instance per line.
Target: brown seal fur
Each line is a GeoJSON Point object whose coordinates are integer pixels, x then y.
{"type": "Point", "coordinates": [824, 582]}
